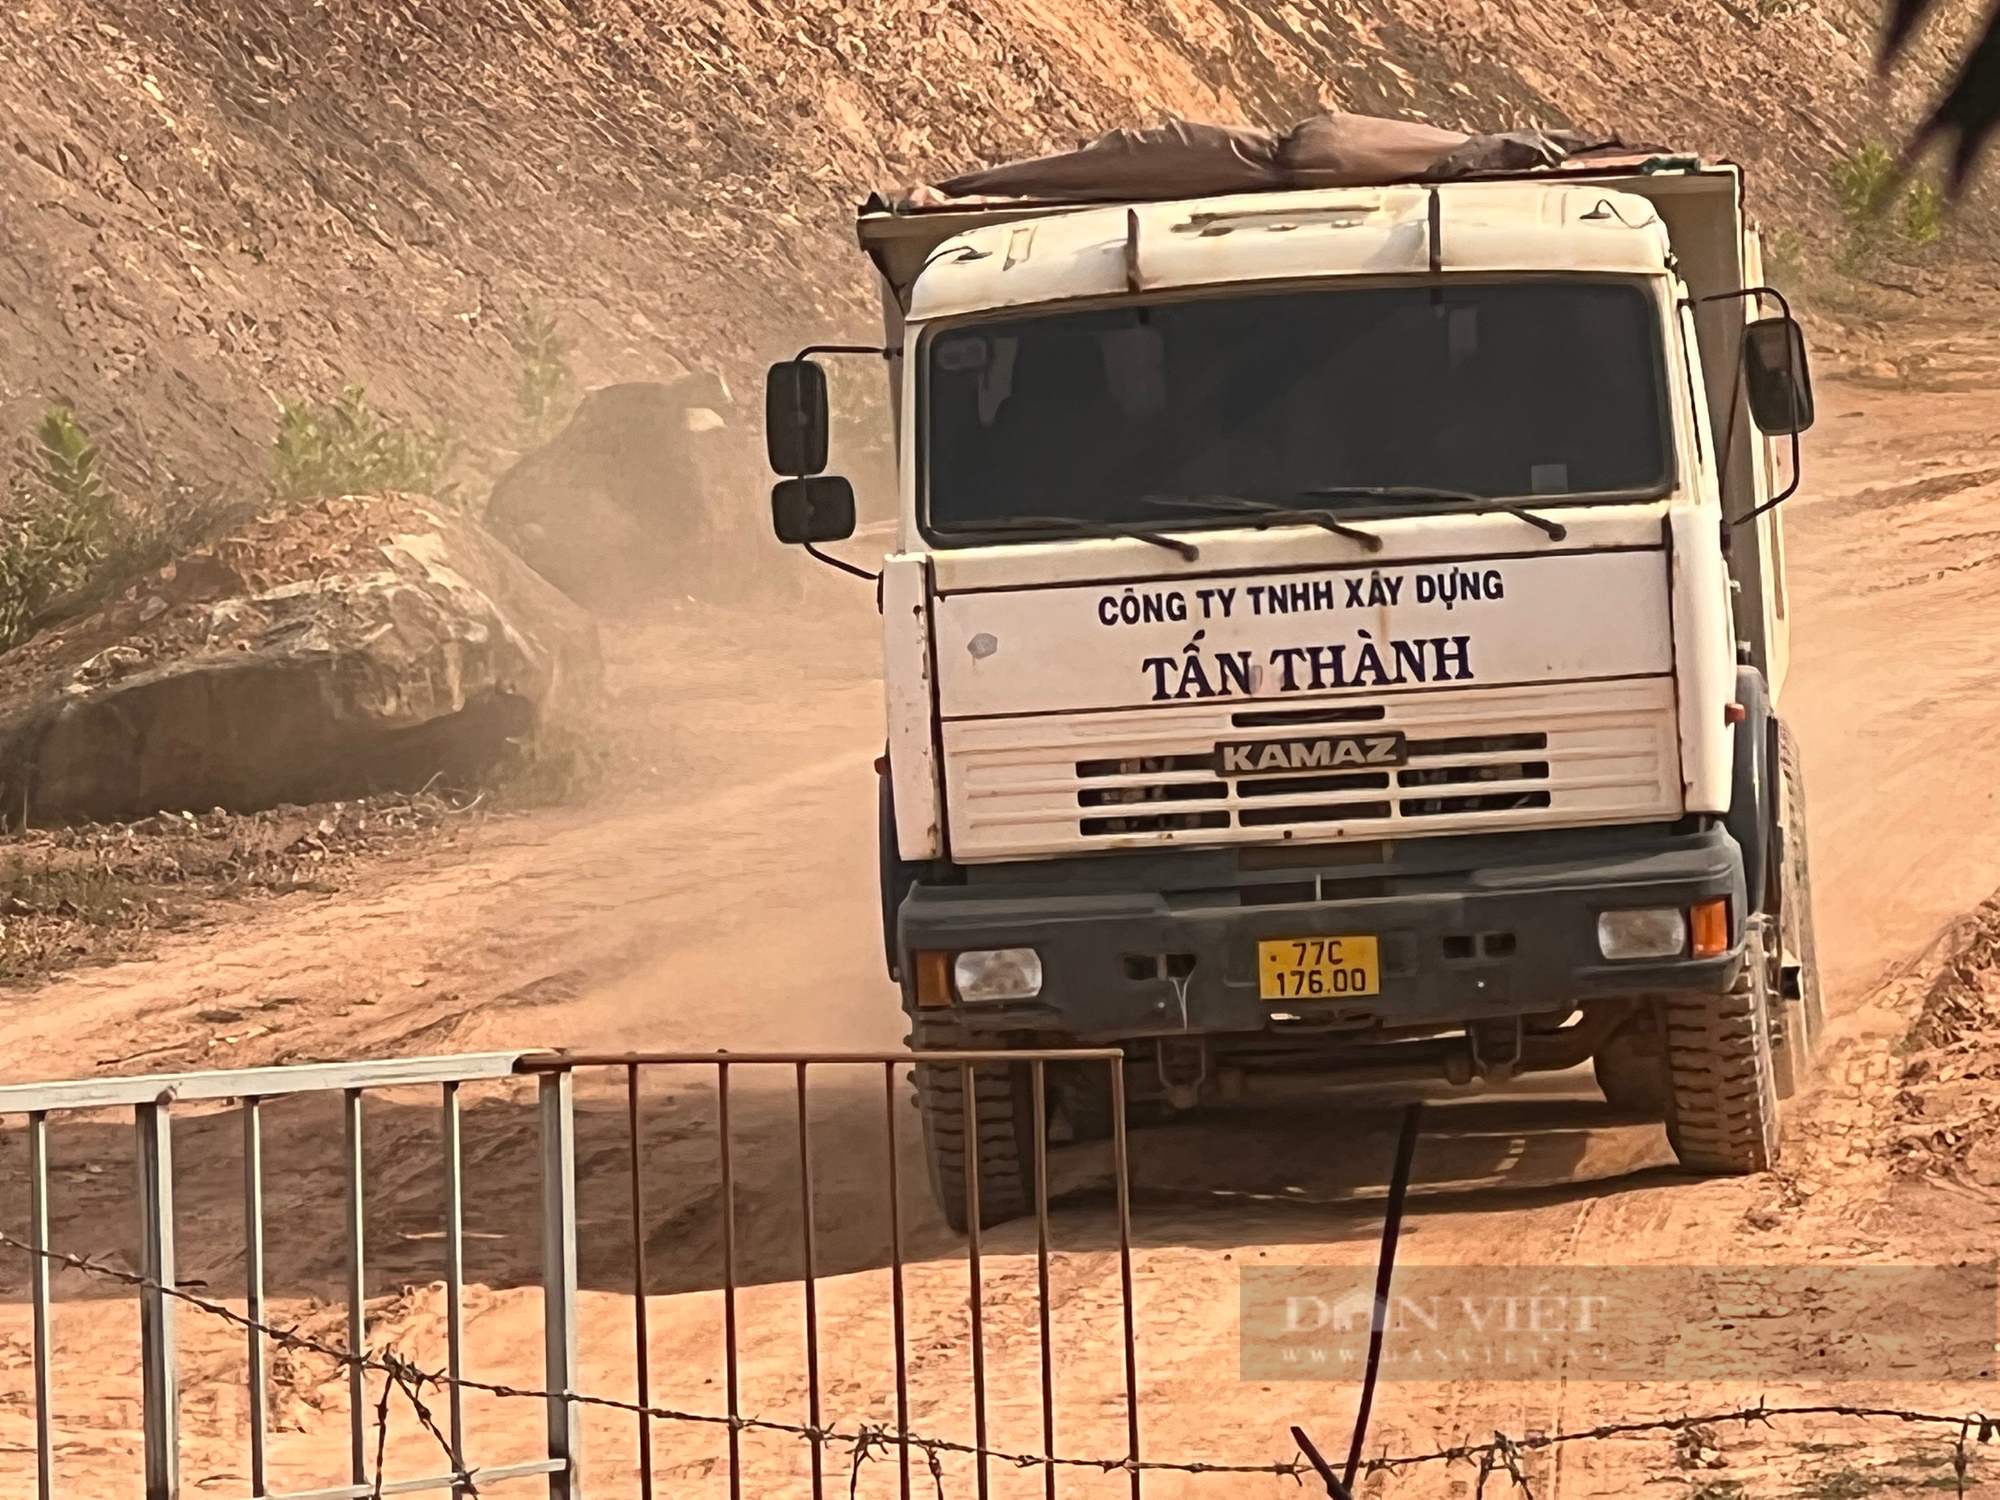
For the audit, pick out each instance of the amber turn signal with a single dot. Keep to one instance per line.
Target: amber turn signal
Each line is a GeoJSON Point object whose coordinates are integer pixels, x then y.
{"type": "Point", "coordinates": [1708, 925]}
{"type": "Point", "coordinates": [933, 969]}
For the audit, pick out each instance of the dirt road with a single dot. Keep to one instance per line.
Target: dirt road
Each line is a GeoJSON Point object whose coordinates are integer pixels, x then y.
{"type": "Point", "coordinates": [730, 903]}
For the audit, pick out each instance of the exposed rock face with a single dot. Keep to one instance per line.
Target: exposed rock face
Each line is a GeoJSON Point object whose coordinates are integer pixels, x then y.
{"type": "Point", "coordinates": [203, 206]}
{"type": "Point", "coordinates": [352, 645]}
{"type": "Point", "coordinates": [627, 499]}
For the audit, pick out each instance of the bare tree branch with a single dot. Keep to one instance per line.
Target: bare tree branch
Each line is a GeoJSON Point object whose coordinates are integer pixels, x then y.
{"type": "Point", "coordinates": [1969, 112]}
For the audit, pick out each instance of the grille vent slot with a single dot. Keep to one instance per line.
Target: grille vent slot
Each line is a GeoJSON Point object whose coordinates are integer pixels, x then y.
{"type": "Point", "coordinates": [1301, 786]}
{"type": "Point", "coordinates": [1125, 796]}
{"type": "Point", "coordinates": [1477, 744]}
{"type": "Point", "coordinates": [1321, 812]}
{"type": "Point", "coordinates": [1154, 822]}
{"type": "Point", "coordinates": [1437, 807]}
{"type": "Point", "coordinates": [1275, 718]}
{"type": "Point", "coordinates": [1145, 765]}
{"type": "Point", "coordinates": [1520, 770]}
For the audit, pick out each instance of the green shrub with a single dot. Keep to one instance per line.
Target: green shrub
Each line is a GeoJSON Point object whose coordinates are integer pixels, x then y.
{"type": "Point", "coordinates": [347, 448]}
{"type": "Point", "coordinates": [68, 461]}
{"type": "Point", "coordinates": [1883, 206]}
{"type": "Point", "coordinates": [61, 525]}
{"type": "Point", "coordinates": [1864, 183]}
{"type": "Point", "coordinates": [545, 391]}
{"type": "Point", "coordinates": [1923, 214]}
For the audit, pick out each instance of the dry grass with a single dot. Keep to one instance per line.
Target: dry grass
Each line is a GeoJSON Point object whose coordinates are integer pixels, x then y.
{"type": "Point", "coordinates": [94, 894]}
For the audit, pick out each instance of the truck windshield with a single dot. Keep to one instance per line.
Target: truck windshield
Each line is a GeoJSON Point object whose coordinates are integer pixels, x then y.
{"type": "Point", "coordinates": [1549, 390]}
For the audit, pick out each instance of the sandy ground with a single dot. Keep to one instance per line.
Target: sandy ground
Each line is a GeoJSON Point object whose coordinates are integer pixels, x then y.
{"type": "Point", "coordinates": [729, 902]}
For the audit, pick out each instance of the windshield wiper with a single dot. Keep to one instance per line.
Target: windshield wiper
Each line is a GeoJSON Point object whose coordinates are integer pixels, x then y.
{"type": "Point", "coordinates": [1268, 513]}
{"type": "Point", "coordinates": [1556, 530]}
{"type": "Point", "coordinates": [1075, 526]}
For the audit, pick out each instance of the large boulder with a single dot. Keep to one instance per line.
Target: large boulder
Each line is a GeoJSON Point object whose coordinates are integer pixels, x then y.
{"type": "Point", "coordinates": [341, 647]}
{"type": "Point", "coordinates": [627, 501]}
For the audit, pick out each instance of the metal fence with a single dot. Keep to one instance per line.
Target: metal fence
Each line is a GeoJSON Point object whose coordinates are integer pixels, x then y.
{"type": "Point", "coordinates": [152, 1099]}
{"type": "Point", "coordinates": [161, 1298]}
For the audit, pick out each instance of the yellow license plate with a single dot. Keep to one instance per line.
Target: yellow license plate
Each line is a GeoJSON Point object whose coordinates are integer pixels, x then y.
{"type": "Point", "coordinates": [1320, 968]}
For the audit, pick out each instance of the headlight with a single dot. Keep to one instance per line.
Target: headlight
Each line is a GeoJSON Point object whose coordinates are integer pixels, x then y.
{"type": "Point", "coordinates": [1655, 932]}
{"type": "Point", "coordinates": [988, 974]}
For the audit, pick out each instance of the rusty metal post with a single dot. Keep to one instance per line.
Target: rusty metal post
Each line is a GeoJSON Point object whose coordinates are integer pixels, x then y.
{"type": "Point", "coordinates": [809, 1244]}
{"type": "Point", "coordinates": [1121, 1166]}
{"type": "Point", "coordinates": [975, 1302]}
{"type": "Point", "coordinates": [641, 1335]}
{"type": "Point", "coordinates": [1041, 1114]}
{"type": "Point", "coordinates": [730, 1353]}
{"type": "Point", "coordinates": [898, 1312]}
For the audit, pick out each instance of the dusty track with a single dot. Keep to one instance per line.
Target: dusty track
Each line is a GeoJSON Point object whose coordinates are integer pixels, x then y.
{"type": "Point", "coordinates": [731, 904]}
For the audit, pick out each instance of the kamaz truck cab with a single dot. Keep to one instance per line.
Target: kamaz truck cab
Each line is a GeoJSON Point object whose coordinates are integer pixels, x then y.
{"type": "Point", "coordinates": [1337, 635]}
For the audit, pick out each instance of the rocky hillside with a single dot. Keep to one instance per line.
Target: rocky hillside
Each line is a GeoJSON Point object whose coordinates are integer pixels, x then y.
{"type": "Point", "coordinates": [207, 210]}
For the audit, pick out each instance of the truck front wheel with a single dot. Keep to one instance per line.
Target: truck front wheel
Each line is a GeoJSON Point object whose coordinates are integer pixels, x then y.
{"type": "Point", "coordinates": [1004, 1117]}
{"type": "Point", "coordinates": [1801, 1012]}
{"type": "Point", "coordinates": [1722, 1094]}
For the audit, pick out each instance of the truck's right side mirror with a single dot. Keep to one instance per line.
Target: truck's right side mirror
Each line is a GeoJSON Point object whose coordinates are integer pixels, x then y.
{"type": "Point", "coordinates": [815, 509]}
{"type": "Point", "coordinates": [795, 418]}
{"type": "Point", "coordinates": [1776, 377]}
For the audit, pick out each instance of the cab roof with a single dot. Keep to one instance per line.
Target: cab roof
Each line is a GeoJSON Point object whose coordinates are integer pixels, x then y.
{"type": "Point", "coordinates": [1531, 225]}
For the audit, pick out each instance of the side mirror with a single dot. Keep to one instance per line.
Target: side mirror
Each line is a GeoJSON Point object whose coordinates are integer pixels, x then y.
{"type": "Point", "coordinates": [795, 417]}
{"type": "Point", "coordinates": [1776, 377]}
{"type": "Point", "coordinates": [819, 509]}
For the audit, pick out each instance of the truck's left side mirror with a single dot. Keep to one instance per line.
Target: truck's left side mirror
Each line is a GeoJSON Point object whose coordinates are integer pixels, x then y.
{"type": "Point", "coordinates": [795, 417]}
{"type": "Point", "coordinates": [1776, 377]}
{"type": "Point", "coordinates": [818, 509]}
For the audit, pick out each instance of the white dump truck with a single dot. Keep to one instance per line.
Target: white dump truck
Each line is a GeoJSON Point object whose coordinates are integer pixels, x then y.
{"type": "Point", "coordinates": [1335, 633]}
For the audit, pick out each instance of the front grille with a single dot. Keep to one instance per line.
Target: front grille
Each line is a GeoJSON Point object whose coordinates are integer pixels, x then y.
{"type": "Point", "coordinates": [1476, 759]}
{"type": "Point", "coordinates": [1314, 799]}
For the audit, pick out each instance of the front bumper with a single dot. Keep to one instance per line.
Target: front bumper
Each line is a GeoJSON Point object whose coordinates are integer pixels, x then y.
{"type": "Point", "coordinates": [1470, 928]}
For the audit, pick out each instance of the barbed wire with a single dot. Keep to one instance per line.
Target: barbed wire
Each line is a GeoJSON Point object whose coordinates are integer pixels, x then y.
{"type": "Point", "coordinates": [1506, 1453]}
{"type": "Point", "coordinates": [382, 1438]}
{"type": "Point", "coordinates": [868, 1440]}
{"type": "Point", "coordinates": [397, 1373]}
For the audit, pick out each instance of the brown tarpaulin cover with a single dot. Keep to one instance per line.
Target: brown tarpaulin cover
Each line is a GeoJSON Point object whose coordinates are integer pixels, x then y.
{"type": "Point", "coordinates": [1188, 159]}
